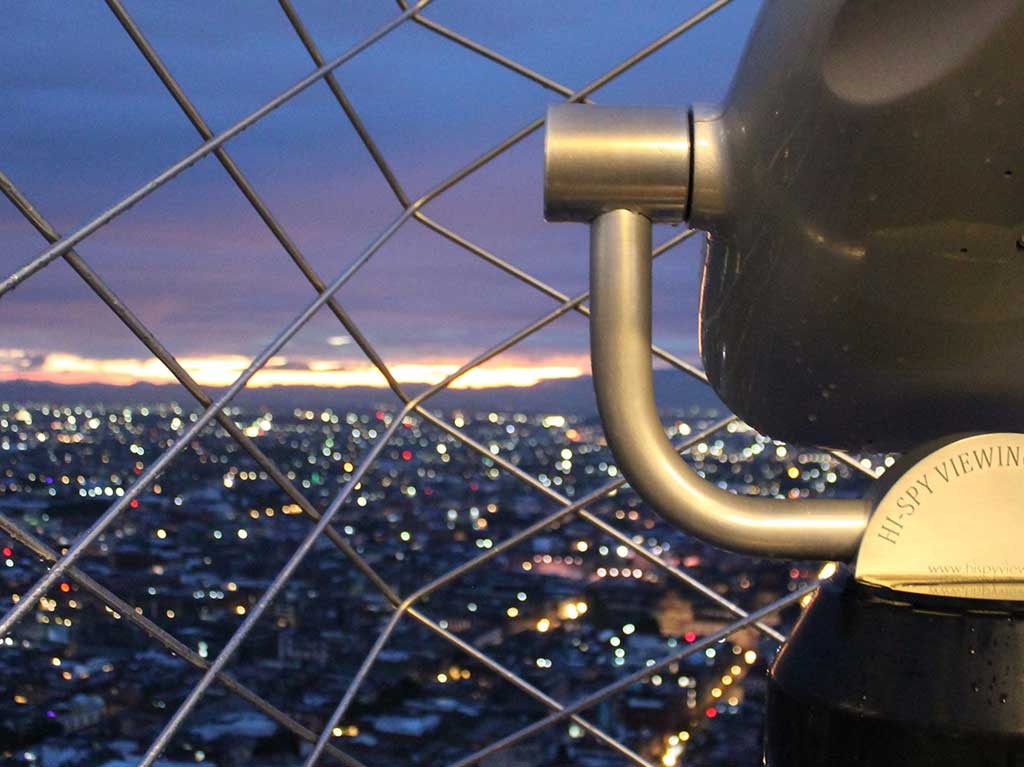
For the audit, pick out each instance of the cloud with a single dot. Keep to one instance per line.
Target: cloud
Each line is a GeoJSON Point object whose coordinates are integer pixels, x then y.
{"type": "Point", "coordinates": [21, 360]}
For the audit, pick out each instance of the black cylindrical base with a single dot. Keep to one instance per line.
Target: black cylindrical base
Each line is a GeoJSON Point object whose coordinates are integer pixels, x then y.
{"type": "Point", "coordinates": [872, 677]}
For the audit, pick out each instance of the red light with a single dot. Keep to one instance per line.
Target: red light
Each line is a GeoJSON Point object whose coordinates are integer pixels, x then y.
{"type": "Point", "coordinates": [690, 636]}
{"type": "Point", "coordinates": [65, 587]}
{"type": "Point", "coordinates": [406, 455]}
{"type": "Point", "coordinates": [8, 551]}
{"type": "Point", "coordinates": [380, 415]}
{"type": "Point", "coordinates": [711, 713]}
{"type": "Point", "coordinates": [135, 503]}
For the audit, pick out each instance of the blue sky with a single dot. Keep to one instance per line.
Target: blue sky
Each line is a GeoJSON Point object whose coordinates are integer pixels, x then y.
{"type": "Point", "coordinates": [85, 122]}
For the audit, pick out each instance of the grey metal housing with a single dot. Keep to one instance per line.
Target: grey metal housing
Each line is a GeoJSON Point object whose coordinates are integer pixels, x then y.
{"type": "Point", "coordinates": [863, 285]}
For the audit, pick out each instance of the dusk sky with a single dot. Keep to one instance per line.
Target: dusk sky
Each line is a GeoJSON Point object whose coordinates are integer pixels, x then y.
{"type": "Point", "coordinates": [85, 122]}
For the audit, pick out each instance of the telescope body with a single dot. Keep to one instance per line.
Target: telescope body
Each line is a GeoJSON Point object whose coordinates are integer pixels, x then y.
{"type": "Point", "coordinates": [863, 284]}
{"type": "Point", "coordinates": [863, 288]}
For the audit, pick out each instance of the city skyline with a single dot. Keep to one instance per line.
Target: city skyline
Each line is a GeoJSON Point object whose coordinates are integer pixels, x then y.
{"type": "Point", "coordinates": [476, 535]}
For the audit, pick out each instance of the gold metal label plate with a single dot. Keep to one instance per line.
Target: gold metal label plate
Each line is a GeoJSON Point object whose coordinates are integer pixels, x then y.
{"type": "Point", "coordinates": [953, 523]}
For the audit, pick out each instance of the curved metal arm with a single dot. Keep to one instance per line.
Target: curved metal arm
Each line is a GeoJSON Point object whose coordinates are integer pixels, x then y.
{"type": "Point", "coordinates": [620, 348]}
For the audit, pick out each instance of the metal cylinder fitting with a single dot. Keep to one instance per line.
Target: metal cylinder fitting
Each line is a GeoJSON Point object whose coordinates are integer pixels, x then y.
{"type": "Point", "coordinates": [599, 159]}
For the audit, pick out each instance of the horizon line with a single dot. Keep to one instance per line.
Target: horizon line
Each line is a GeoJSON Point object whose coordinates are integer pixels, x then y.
{"type": "Point", "coordinates": [216, 371]}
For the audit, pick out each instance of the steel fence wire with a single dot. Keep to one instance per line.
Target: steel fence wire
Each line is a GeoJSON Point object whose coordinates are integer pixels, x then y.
{"type": "Point", "coordinates": [404, 607]}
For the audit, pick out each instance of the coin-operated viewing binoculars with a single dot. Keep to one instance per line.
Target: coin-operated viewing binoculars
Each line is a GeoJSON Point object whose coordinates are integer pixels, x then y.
{"type": "Point", "coordinates": [863, 288]}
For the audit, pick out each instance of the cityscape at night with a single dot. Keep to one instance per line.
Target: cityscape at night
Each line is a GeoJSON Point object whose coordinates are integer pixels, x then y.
{"type": "Point", "coordinates": [437, 383]}
{"type": "Point", "coordinates": [485, 564]}
{"type": "Point", "coordinates": [569, 608]}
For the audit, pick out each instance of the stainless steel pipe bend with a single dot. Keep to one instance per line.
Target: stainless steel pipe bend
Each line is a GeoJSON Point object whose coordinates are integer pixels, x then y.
{"type": "Point", "coordinates": [619, 169]}
{"type": "Point", "coordinates": [620, 350]}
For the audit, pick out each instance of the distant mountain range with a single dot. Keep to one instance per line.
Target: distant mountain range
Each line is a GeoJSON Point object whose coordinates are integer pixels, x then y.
{"type": "Point", "coordinates": [675, 391]}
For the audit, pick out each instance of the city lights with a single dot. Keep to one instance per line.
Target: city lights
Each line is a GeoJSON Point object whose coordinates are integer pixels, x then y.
{"type": "Point", "coordinates": [575, 600]}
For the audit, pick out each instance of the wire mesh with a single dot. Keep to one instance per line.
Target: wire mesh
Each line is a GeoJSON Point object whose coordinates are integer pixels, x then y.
{"type": "Point", "coordinates": [404, 607]}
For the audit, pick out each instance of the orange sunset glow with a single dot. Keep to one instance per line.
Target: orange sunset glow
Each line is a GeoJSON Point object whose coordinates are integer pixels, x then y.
{"type": "Point", "coordinates": [222, 370]}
